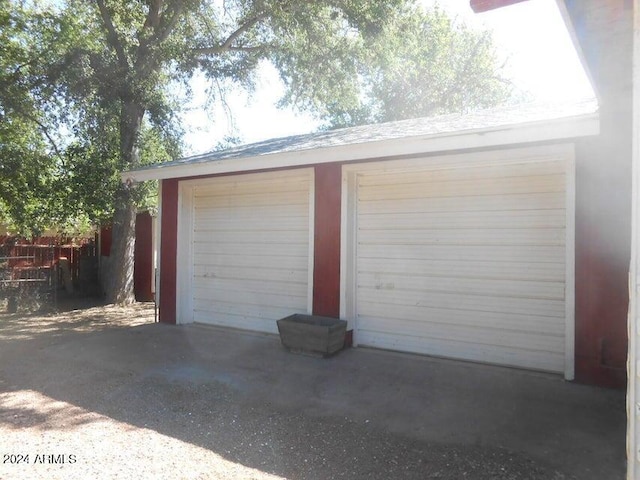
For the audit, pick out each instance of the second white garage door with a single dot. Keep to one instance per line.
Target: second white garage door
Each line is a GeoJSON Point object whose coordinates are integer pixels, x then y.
{"type": "Point", "coordinates": [250, 249]}
{"type": "Point", "coordinates": [465, 261]}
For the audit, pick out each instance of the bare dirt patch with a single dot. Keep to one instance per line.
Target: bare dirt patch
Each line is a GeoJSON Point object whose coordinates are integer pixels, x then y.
{"type": "Point", "coordinates": [78, 315]}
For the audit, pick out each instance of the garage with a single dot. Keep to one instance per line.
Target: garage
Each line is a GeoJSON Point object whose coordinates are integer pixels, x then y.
{"type": "Point", "coordinates": [247, 244]}
{"type": "Point", "coordinates": [464, 256]}
{"type": "Point", "coordinates": [450, 236]}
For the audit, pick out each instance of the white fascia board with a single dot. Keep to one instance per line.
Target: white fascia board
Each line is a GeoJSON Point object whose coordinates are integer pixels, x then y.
{"type": "Point", "coordinates": [548, 130]}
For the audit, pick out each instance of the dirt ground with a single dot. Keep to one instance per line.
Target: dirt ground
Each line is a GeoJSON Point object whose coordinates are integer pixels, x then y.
{"type": "Point", "coordinates": [103, 392]}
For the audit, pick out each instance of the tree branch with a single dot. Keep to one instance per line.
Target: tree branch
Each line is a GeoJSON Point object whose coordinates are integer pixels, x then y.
{"type": "Point", "coordinates": [13, 104]}
{"type": "Point", "coordinates": [146, 60]}
{"type": "Point", "coordinates": [227, 45]}
{"type": "Point", "coordinates": [153, 17]}
{"type": "Point", "coordinates": [112, 34]}
{"type": "Point", "coordinates": [44, 130]}
{"type": "Point", "coordinates": [162, 35]}
{"type": "Point", "coordinates": [233, 48]}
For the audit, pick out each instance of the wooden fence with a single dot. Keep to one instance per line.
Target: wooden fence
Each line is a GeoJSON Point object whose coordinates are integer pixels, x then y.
{"type": "Point", "coordinates": [28, 267]}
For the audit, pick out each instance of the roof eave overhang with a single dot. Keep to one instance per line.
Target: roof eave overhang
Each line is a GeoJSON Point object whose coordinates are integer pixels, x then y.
{"type": "Point", "coordinates": [479, 6]}
{"type": "Point", "coordinates": [539, 131]}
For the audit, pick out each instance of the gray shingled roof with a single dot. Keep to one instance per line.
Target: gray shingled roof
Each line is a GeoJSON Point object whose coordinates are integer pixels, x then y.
{"type": "Point", "coordinates": [453, 123]}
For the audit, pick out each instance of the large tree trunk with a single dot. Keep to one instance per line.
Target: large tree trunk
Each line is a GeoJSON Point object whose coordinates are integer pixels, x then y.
{"type": "Point", "coordinates": [119, 282]}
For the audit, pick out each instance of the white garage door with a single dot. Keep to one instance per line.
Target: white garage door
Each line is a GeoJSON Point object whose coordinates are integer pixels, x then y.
{"type": "Point", "coordinates": [251, 241]}
{"type": "Point", "coordinates": [465, 262]}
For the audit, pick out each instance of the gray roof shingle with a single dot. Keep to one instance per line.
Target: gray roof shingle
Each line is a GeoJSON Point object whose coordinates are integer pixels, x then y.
{"type": "Point", "coordinates": [452, 123]}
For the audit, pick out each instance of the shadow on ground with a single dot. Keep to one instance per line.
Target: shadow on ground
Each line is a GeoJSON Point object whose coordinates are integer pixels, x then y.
{"type": "Point", "coordinates": [360, 414]}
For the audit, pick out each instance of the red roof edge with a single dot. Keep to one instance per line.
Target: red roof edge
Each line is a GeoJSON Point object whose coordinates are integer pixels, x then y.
{"type": "Point", "coordinates": [479, 6]}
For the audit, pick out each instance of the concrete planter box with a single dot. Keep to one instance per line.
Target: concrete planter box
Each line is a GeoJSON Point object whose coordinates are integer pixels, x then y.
{"type": "Point", "coordinates": [312, 334]}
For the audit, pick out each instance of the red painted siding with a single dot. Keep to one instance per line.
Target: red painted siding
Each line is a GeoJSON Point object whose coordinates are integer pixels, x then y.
{"type": "Point", "coordinates": [326, 259]}
{"type": "Point", "coordinates": [603, 194]}
{"type": "Point", "coordinates": [143, 258]}
{"type": "Point", "coordinates": [168, 251]}
{"type": "Point", "coordinates": [603, 249]}
{"type": "Point", "coordinates": [105, 241]}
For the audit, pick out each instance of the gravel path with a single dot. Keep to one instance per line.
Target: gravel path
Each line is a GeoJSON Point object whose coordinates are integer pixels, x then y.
{"type": "Point", "coordinates": [98, 393]}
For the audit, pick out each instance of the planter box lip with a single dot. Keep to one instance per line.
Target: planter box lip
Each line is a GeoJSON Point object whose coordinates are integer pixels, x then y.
{"type": "Point", "coordinates": [312, 320]}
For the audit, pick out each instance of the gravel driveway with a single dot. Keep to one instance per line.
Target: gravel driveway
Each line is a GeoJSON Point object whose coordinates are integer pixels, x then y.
{"type": "Point", "coordinates": [104, 393]}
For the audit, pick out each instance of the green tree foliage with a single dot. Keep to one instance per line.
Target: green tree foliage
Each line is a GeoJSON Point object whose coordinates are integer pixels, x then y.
{"type": "Point", "coordinates": [95, 82]}
{"type": "Point", "coordinates": [26, 183]}
{"type": "Point", "coordinates": [28, 156]}
{"type": "Point", "coordinates": [423, 63]}
{"type": "Point", "coordinates": [59, 136]}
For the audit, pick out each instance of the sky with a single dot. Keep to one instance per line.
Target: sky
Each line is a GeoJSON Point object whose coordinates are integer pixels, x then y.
{"type": "Point", "coordinates": [530, 37]}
